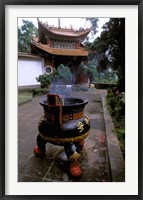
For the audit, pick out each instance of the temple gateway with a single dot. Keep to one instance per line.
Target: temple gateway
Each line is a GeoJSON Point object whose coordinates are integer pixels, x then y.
{"type": "Point", "coordinates": [58, 45]}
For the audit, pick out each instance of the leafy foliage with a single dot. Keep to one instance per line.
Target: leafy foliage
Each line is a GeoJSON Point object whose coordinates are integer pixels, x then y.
{"type": "Point", "coordinates": [93, 73]}
{"type": "Point", "coordinates": [107, 77]}
{"type": "Point", "coordinates": [89, 70]}
{"type": "Point", "coordinates": [24, 35]}
{"type": "Point", "coordinates": [116, 103]}
{"type": "Point", "coordinates": [45, 80]}
{"type": "Point", "coordinates": [94, 27]}
{"type": "Point", "coordinates": [110, 49]}
{"type": "Point", "coordinates": [61, 75]}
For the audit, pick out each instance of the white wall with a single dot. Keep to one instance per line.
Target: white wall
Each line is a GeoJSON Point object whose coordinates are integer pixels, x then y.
{"type": "Point", "coordinates": [28, 70]}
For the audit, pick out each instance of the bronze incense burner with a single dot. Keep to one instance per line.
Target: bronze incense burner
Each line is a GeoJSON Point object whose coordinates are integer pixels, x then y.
{"type": "Point", "coordinates": [63, 123]}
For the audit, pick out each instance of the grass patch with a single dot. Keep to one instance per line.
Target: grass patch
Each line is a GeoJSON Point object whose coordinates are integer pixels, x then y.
{"type": "Point", "coordinates": [27, 94]}
{"type": "Point", "coordinates": [24, 97]}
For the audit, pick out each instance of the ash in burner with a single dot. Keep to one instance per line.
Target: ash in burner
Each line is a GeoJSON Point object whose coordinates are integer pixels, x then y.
{"type": "Point", "coordinates": [73, 101]}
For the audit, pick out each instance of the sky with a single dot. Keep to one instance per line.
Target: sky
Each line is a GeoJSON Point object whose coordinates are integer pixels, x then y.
{"type": "Point", "coordinates": [76, 23]}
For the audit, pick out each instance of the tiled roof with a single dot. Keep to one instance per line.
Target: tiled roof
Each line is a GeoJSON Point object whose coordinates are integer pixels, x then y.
{"type": "Point", "coordinates": [69, 32]}
{"type": "Point", "coordinates": [28, 55]}
{"type": "Point", "coordinates": [62, 52]}
{"type": "Point", "coordinates": [64, 31]}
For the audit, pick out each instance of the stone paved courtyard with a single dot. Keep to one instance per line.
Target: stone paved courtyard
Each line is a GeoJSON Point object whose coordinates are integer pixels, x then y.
{"type": "Point", "coordinates": [54, 167]}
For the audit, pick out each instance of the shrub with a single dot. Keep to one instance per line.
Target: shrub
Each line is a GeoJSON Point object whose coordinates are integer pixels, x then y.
{"type": "Point", "coordinates": [39, 91]}
{"type": "Point", "coordinates": [45, 80]}
{"type": "Point", "coordinates": [89, 70]}
{"type": "Point", "coordinates": [116, 104]}
{"type": "Point", "coordinates": [62, 75]}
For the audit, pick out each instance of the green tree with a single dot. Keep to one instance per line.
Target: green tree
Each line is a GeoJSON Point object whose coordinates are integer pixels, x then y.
{"type": "Point", "coordinates": [110, 48]}
{"type": "Point", "coordinates": [63, 75]}
{"type": "Point", "coordinates": [25, 33]}
{"type": "Point", "coordinates": [94, 26]}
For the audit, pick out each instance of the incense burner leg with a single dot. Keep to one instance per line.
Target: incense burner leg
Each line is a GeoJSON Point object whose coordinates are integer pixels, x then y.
{"type": "Point", "coordinates": [73, 155]}
{"type": "Point", "coordinates": [40, 149]}
{"type": "Point", "coordinates": [81, 144]}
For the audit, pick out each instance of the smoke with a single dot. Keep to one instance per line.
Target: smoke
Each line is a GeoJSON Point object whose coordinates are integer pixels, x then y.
{"type": "Point", "coordinates": [62, 90]}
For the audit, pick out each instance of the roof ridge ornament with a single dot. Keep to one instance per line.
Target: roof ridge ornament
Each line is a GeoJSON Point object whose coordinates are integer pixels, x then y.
{"type": "Point", "coordinates": [59, 25]}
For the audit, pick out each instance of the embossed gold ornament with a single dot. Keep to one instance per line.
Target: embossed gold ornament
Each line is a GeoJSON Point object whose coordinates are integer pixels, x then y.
{"type": "Point", "coordinates": [86, 120]}
{"type": "Point", "coordinates": [74, 158]}
{"type": "Point", "coordinates": [80, 126]}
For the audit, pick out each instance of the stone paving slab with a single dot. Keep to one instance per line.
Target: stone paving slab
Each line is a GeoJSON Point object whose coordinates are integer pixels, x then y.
{"type": "Point", "coordinates": [54, 167]}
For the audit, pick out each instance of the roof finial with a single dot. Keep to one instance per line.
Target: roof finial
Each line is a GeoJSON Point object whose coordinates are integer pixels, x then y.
{"type": "Point", "coordinates": [59, 26]}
